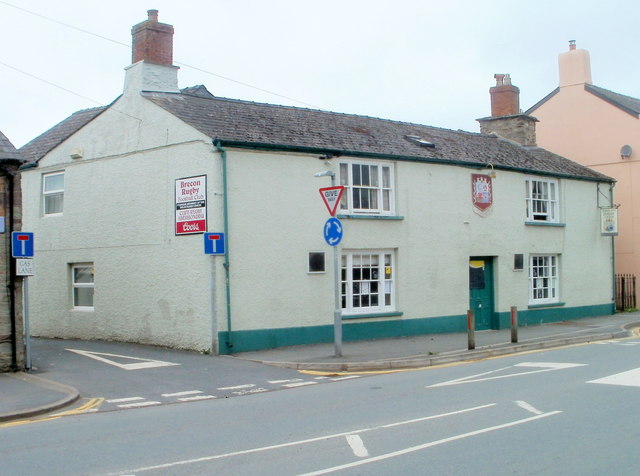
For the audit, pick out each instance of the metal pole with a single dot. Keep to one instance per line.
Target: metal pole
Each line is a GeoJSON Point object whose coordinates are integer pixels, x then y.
{"type": "Point", "coordinates": [337, 313]}
{"type": "Point", "coordinates": [471, 327]}
{"type": "Point", "coordinates": [214, 310]}
{"type": "Point", "coordinates": [27, 332]}
{"type": "Point", "coordinates": [514, 325]}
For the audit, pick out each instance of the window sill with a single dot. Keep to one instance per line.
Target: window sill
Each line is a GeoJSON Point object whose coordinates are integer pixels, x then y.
{"type": "Point", "coordinates": [373, 315]}
{"type": "Point", "coordinates": [83, 309]}
{"type": "Point", "coordinates": [370, 217]}
{"type": "Point", "coordinates": [547, 304]}
{"type": "Point", "coordinates": [544, 223]}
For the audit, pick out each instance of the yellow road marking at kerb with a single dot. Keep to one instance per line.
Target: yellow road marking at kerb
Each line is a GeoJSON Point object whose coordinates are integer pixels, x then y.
{"type": "Point", "coordinates": [90, 405]}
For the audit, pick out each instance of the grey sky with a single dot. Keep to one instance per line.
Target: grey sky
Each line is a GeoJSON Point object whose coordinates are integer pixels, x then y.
{"type": "Point", "coordinates": [429, 62]}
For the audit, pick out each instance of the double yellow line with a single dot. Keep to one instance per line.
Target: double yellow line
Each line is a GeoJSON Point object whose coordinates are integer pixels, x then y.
{"type": "Point", "coordinates": [91, 405]}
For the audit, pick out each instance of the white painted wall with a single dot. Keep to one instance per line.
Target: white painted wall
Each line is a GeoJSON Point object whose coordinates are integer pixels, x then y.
{"type": "Point", "coordinates": [155, 287]}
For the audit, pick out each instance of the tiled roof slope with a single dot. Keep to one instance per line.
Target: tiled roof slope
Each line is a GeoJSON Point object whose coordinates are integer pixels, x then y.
{"type": "Point", "coordinates": [49, 140]}
{"type": "Point", "coordinates": [7, 150]}
{"type": "Point", "coordinates": [626, 103]}
{"type": "Point", "coordinates": [246, 123]}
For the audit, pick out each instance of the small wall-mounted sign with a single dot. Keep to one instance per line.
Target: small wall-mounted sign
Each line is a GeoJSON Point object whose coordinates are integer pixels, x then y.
{"type": "Point", "coordinates": [24, 267]}
{"type": "Point", "coordinates": [609, 221]}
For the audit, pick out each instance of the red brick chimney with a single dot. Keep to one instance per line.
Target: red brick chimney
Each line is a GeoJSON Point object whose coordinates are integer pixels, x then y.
{"type": "Point", "coordinates": [152, 41]}
{"type": "Point", "coordinates": [505, 97]}
{"type": "Point", "coordinates": [506, 120]}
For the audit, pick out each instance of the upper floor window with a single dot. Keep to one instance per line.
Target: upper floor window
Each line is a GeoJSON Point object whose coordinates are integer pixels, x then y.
{"type": "Point", "coordinates": [52, 193]}
{"type": "Point", "coordinates": [542, 200]}
{"type": "Point", "coordinates": [368, 188]}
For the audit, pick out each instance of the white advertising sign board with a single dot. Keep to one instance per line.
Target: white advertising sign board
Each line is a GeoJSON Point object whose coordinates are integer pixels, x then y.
{"type": "Point", "coordinates": [191, 205]}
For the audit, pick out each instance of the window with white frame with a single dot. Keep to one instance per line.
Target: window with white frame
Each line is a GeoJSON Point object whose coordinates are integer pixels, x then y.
{"type": "Point", "coordinates": [367, 281]}
{"type": "Point", "coordinates": [543, 279]}
{"type": "Point", "coordinates": [83, 284]}
{"type": "Point", "coordinates": [542, 200]}
{"type": "Point", "coordinates": [368, 188]}
{"type": "Point", "coordinates": [52, 193]}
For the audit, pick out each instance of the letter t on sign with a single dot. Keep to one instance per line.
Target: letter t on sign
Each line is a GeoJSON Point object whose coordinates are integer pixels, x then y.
{"type": "Point", "coordinates": [214, 243]}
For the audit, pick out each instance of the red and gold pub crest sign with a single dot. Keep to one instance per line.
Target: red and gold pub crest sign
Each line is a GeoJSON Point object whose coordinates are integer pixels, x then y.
{"type": "Point", "coordinates": [481, 193]}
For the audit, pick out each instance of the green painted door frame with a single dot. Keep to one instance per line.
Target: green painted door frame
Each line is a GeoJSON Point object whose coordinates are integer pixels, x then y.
{"type": "Point", "coordinates": [481, 291]}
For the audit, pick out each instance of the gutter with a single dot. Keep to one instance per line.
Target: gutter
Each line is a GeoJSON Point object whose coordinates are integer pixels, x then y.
{"type": "Point", "coordinates": [407, 158]}
{"type": "Point", "coordinates": [223, 154]}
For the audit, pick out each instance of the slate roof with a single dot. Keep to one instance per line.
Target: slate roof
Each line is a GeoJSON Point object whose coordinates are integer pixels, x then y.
{"type": "Point", "coordinates": [8, 151]}
{"type": "Point", "coordinates": [265, 126]}
{"type": "Point", "coordinates": [248, 124]}
{"type": "Point", "coordinates": [626, 103]}
{"type": "Point", "coordinates": [49, 140]}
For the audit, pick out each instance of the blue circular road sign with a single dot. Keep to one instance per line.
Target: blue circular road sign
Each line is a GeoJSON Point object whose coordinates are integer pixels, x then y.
{"type": "Point", "coordinates": [333, 231]}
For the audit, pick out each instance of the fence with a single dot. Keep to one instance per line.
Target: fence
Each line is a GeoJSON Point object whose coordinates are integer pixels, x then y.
{"type": "Point", "coordinates": [625, 291]}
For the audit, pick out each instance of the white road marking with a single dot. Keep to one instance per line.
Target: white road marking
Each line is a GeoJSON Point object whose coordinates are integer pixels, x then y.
{"type": "Point", "coordinates": [275, 382]}
{"type": "Point", "coordinates": [346, 377]}
{"type": "Point", "coordinates": [250, 391]}
{"type": "Point", "coordinates": [182, 394]}
{"type": "Point", "coordinates": [630, 378]}
{"type": "Point", "coordinates": [528, 407]}
{"type": "Point", "coordinates": [357, 446]}
{"type": "Point", "coordinates": [299, 384]}
{"type": "Point", "coordinates": [238, 387]}
{"type": "Point", "coordinates": [428, 445]}
{"type": "Point", "coordinates": [301, 442]}
{"type": "Point", "coordinates": [139, 364]}
{"type": "Point", "coordinates": [543, 366]}
{"type": "Point", "coordinates": [140, 404]}
{"type": "Point", "coordinates": [195, 398]}
{"type": "Point", "coordinates": [123, 400]}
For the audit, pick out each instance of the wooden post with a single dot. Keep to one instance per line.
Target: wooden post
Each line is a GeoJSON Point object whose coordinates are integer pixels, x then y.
{"type": "Point", "coordinates": [514, 325]}
{"type": "Point", "coordinates": [471, 328]}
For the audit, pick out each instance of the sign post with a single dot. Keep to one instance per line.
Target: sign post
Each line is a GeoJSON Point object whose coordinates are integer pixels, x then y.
{"type": "Point", "coordinates": [332, 232]}
{"type": "Point", "coordinates": [22, 250]}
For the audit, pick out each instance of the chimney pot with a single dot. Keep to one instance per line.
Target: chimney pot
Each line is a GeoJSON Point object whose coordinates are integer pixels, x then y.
{"type": "Point", "coordinates": [505, 98]}
{"type": "Point", "coordinates": [572, 45]}
{"type": "Point", "coordinates": [153, 15]}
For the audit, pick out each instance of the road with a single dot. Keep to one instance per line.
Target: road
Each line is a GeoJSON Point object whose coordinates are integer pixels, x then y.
{"type": "Point", "coordinates": [568, 411]}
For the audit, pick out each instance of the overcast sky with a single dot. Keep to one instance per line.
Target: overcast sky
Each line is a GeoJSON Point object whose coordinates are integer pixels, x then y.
{"type": "Point", "coordinates": [422, 61]}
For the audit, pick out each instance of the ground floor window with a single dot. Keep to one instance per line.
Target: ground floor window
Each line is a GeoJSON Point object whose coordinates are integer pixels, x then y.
{"type": "Point", "coordinates": [543, 279]}
{"type": "Point", "coordinates": [82, 283]}
{"type": "Point", "coordinates": [367, 281]}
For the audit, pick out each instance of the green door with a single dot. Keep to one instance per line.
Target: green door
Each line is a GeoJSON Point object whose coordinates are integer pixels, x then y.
{"type": "Point", "coordinates": [481, 291]}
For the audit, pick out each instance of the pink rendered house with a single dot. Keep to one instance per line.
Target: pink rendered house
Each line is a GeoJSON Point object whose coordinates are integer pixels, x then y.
{"type": "Point", "coordinates": [600, 129]}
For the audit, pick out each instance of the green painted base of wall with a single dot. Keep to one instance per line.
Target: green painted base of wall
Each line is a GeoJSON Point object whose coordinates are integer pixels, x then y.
{"type": "Point", "coordinates": [533, 317]}
{"type": "Point", "coordinates": [259, 339]}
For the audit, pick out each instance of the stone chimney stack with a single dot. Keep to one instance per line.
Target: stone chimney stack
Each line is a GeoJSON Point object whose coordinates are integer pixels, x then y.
{"type": "Point", "coordinates": [152, 41]}
{"type": "Point", "coordinates": [574, 66]}
{"type": "Point", "coordinates": [506, 120]}
{"type": "Point", "coordinates": [505, 97]}
{"type": "Point", "coordinates": [152, 56]}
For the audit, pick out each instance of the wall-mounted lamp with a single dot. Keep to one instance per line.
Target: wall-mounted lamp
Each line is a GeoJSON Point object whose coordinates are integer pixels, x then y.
{"type": "Point", "coordinates": [491, 174]}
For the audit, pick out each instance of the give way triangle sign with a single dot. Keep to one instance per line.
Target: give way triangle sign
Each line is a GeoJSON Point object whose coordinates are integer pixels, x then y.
{"type": "Point", "coordinates": [331, 197]}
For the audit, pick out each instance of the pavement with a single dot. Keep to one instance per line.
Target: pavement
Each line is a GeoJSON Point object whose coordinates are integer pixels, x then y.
{"type": "Point", "coordinates": [24, 395]}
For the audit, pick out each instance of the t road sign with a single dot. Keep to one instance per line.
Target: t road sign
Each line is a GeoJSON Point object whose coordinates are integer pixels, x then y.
{"type": "Point", "coordinates": [214, 243]}
{"type": "Point", "coordinates": [22, 244]}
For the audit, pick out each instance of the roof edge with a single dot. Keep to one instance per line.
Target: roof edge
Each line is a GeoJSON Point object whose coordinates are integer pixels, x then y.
{"type": "Point", "coordinates": [542, 101]}
{"type": "Point", "coordinates": [596, 92]}
{"type": "Point", "coordinates": [371, 155]}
